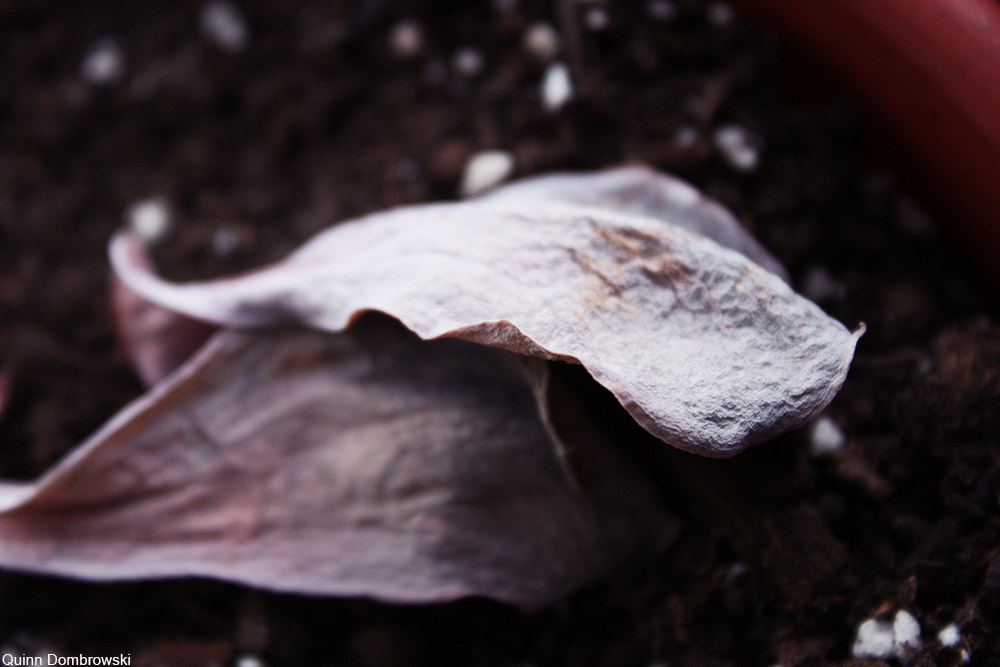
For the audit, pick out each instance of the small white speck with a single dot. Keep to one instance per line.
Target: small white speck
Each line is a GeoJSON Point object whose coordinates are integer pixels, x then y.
{"type": "Point", "coordinates": [225, 241]}
{"type": "Point", "coordinates": [557, 87]}
{"type": "Point", "coordinates": [819, 285]}
{"type": "Point", "coordinates": [104, 63]}
{"type": "Point", "coordinates": [685, 136]}
{"type": "Point", "coordinates": [468, 62]}
{"type": "Point", "coordinates": [406, 39]}
{"type": "Point", "coordinates": [825, 437]}
{"type": "Point", "coordinates": [735, 572]}
{"type": "Point", "coordinates": [595, 19]}
{"type": "Point", "coordinates": [906, 632]}
{"type": "Point", "coordinates": [542, 41]}
{"type": "Point", "coordinates": [249, 661]}
{"type": "Point", "coordinates": [149, 220]}
{"type": "Point", "coordinates": [223, 24]}
{"type": "Point", "coordinates": [737, 147]}
{"type": "Point", "coordinates": [949, 635]}
{"type": "Point", "coordinates": [720, 14]}
{"type": "Point", "coordinates": [485, 170]}
{"type": "Point", "coordinates": [874, 640]}
{"type": "Point", "coordinates": [661, 10]}
{"type": "Point", "coordinates": [965, 656]}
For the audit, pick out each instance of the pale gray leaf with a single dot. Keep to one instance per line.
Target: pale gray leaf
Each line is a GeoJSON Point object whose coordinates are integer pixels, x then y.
{"type": "Point", "coordinates": [642, 191]}
{"type": "Point", "coordinates": [705, 348]}
{"type": "Point", "coordinates": [157, 340]}
{"type": "Point", "coordinates": [364, 463]}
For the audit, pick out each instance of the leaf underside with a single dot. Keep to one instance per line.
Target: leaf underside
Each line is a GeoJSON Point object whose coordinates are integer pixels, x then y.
{"type": "Point", "coordinates": [418, 453]}
{"type": "Point", "coordinates": [363, 463]}
{"type": "Point", "coordinates": [705, 348]}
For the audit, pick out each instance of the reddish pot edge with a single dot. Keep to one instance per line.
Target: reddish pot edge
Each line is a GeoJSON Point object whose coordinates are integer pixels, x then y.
{"type": "Point", "coordinates": [929, 73]}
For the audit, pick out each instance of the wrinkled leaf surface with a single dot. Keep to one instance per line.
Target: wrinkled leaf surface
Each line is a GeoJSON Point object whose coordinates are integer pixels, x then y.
{"type": "Point", "coordinates": [646, 192]}
{"type": "Point", "coordinates": [156, 340]}
{"type": "Point", "coordinates": [363, 463]}
{"type": "Point", "coordinates": [705, 348]}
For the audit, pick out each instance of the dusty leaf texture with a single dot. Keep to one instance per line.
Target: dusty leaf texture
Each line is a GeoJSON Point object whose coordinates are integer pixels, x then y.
{"type": "Point", "coordinates": [424, 452]}
{"type": "Point", "coordinates": [363, 463]}
{"type": "Point", "coordinates": [706, 349]}
{"type": "Point", "coordinates": [155, 339]}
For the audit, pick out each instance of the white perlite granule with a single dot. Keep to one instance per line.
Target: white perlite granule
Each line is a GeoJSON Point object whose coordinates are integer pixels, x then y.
{"type": "Point", "coordinates": [104, 63]}
{"type": "Point", "coordinates": [223, 24]}
{"type": "Point", "coordinates": [882, 639]}
{"type": "Point", "coordinates": [557, 87]}
{"type": "Point", "coordinates": [149, 220]}
{"type": "Point", "coordinates": [485, 170]}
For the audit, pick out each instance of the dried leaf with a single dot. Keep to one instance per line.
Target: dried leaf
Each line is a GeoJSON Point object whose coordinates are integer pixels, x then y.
{"type": "Point", "coordinates": [705, 348]}
{"type": "Point", "coordinates": [643, 191]}
{"type": "Point", "coordinates": [156, 340]}
{"type": "Point", "coordinates": [363, 463]}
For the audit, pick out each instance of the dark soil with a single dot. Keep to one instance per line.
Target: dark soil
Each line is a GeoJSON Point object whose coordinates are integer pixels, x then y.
{"type": "Point", "coordinates": [782, 556]}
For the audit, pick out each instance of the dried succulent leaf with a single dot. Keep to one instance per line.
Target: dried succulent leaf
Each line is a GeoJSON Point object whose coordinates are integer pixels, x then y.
{"type": "Point", "coordinates": [363, 463]}
{"type": "Point", "coordinates": [156, 340]}
{"type": "Point", "coordinates": [706, 349]}
{"type": "Point", "coordinates": [642, 191]}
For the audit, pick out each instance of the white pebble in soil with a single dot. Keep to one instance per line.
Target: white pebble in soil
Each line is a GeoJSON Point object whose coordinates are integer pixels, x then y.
{"type": "Point", "coordinates": [225, 241]}
{"type": "Point", "coordinates": [685, 136]}
{"type": "Point", "coordinates": [949, 635]}
{"type": "Point", "coordinates": [149, 220]}
{"type": "Point", "coordinates": [406, 40]}
{"type": "Point", "coordinates": [882, 639]}
{"type": "Point", "coordinates": [735, 572]}
{"type": "Point", "coordinates": [250, 661]}
{"type": "Point", "coordinates": [737, 146]}
{"type": "Point", "coordinates": [720, 15]}
{"type": "Point", "coordinates": [557, 87]}
{"type": "Point", "coordinates": [596, 19]}
{"type": "Point", "coordinates": [485, 170]}
{"type": "Point", "coordinates": [661, 10]}
{"type": "Point", "coordinates": [104, 63]}
{"type": "Point", "coordinates": [222, 23]}
{"type": "Point", "coordinates": [468, 62]}
{"type": "Point", "coordinates": [542, 41]}
{"type": "Point", "coordinates": [825, 437]}
{"type": "Point", "coordinates": [906, 631]}
{"type": "Point", "coordinates": [874, 640]}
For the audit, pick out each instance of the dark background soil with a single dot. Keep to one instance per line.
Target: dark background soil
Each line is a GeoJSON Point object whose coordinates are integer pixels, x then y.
{"type": "Point", "coordinates": [782, 556]}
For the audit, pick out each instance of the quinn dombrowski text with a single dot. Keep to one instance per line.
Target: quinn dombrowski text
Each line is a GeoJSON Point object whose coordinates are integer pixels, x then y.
{"type": "Point", "coordinates": [53, 659]}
